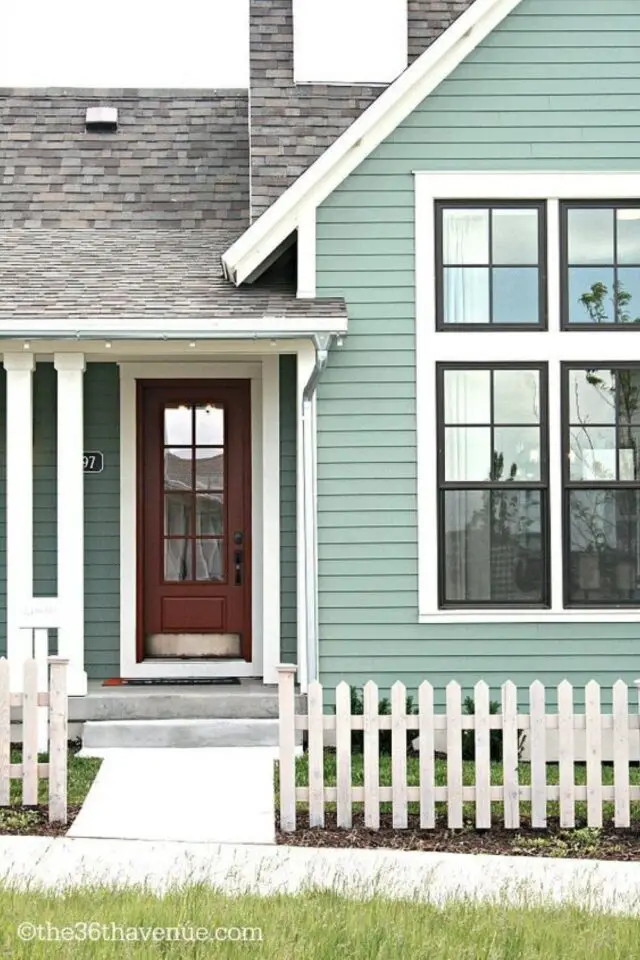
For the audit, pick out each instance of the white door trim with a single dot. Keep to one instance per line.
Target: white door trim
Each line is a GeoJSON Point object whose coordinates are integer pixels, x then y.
{"type": "Point", "coordinates": [265, 418]}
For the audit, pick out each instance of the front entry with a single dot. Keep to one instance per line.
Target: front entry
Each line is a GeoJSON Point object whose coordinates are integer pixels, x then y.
{"type": "Point", "coordinates": [194, 509]}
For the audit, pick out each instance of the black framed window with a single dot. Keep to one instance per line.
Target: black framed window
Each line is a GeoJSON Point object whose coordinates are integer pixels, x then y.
{"type": "Point", "coordinates": [601, 420]}
{"type": "Point", "coordinates": [490, 265]}
{"type": "Point", "coordinates": [600, 264]}
{"type": "Point", "coordinates": [493, 485]}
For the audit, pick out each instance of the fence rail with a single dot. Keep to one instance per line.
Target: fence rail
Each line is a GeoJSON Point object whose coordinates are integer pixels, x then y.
{"type": "Point", "coordinates": [45, 720]}
{"type": "Point", "coordinates": [622, 722]}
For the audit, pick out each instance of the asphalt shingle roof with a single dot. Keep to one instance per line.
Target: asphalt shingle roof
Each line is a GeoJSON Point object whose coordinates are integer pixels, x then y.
{"type": "Point", "coordinates": [135, 273]}
{"type": "Point", "coordinates": [133, 222]}
{"type": "Point", "coordinates": [176, 160]}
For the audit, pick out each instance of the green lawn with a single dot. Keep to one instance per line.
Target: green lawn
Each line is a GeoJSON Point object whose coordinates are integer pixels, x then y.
{"type": "Point", "coordinates": [314, 926]}
{"type": "Point", "coordinates": [413, 779]}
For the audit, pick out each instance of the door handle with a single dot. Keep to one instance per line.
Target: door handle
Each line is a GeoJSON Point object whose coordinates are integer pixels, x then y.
{"type": "Point", "coordinates": [237, 561]}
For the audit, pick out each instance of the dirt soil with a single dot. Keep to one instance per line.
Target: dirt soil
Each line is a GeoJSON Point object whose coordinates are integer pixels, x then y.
{"type": "Point", "coordinates": [33, 822]}
{"type": "Point", "coordinates": [583, 843]}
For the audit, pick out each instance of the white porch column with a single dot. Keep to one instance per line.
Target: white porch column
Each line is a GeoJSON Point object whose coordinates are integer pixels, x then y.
{"type": "Point", "coordinates": [19, 503]}
{"type": "Point", "coordinates": [70, 369]}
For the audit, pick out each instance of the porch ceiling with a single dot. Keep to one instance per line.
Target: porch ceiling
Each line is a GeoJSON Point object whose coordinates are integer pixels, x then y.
{"type": "Point", "coordinates": [135, 274]}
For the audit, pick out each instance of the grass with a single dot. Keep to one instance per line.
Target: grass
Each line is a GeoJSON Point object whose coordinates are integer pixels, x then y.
{"type": "Point", "coordinates": [312, 926]}
{"type": "Point", "coordinates": [413, 779]}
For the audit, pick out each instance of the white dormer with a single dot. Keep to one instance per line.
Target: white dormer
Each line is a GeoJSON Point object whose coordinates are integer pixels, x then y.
{"type": "Point", "coordinates": [349, 41]}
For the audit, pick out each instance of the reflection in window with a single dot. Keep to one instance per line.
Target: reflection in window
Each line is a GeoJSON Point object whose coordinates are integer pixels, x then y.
{"type": "Point", "coordinates": [490, 265]}
{"type": "Point", "coordinates": [602, 253]}
{"type": "Point", "coordinates": [492, 474]}
{"type": "Point", "coordinates": [602, 475]}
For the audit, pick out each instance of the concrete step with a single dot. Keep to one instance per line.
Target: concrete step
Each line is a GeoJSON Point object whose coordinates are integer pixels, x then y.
{"type": "Point", "coordinates": [245, 701]}
{"type": "Point", "coordinates": [180, 733]}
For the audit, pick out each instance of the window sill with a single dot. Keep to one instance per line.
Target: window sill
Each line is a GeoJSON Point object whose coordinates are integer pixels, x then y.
{"type": "Point", "coordinates": [628, 615]}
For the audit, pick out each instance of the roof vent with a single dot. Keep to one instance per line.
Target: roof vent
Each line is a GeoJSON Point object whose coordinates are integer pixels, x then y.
{"type": "Point", "coordinates": [102, 118]}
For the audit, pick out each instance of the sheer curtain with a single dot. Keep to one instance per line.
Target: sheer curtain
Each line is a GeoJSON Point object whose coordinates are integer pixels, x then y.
{"type": "Point", "coordinates": [466, 289]}
{"type": "Point", "coordinates": [209, 553]}
{"type": "Point", "coordinates": [177, 559]}
{"type": "Point", "coordinates": [467, 457]}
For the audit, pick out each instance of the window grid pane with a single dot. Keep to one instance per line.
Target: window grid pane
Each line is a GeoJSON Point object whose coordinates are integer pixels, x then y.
{"type": "Point", "coordinates": [601, 417]}
{"type": "Point", "coordinates": [601, 264]}
{"type": "Point", "coordinates": [493, 486]}
{"type": "Point", "coordinates": [491, 265]}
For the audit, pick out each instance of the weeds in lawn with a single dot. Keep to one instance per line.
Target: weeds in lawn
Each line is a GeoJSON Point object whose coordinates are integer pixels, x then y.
{"type": "Point", "coordinates": [18, 820]}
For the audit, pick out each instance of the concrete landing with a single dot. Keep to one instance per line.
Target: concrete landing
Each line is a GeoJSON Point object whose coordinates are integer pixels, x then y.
{"type": "Point", "coordinates": [179, 733]}
{"type": "Point", "coordinates": [204, 795]}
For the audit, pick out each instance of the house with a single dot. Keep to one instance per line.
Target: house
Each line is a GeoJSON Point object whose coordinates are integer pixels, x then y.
{"type": "Point", "coordinates": [359, 361]}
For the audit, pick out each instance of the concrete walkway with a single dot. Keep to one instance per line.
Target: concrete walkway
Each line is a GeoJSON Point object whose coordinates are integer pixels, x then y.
{"type": "Point", "coordinates": [266, 870]}
{"type": "Point", "coordinates": [221, 795]}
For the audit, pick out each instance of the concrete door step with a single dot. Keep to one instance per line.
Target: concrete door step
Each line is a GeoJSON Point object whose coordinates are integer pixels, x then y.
{"type": "Point", "coordinates": [180, 733]}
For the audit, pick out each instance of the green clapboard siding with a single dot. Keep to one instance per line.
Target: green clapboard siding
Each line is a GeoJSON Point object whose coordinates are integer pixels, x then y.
{"type": "Point", "coordinates": [288, 419]}
{"type": "Point", "coordinates": [556, 86]}
{"type": "Point", "coordinates": [102, 522]}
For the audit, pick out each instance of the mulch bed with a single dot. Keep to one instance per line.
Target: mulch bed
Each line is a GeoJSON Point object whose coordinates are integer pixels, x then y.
{"type": "Point", "coordinates": [606, 844]}
{"type": "Point", "coordinates": [36, 824]}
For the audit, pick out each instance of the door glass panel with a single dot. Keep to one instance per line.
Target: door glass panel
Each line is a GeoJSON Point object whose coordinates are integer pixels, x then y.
{"type": "Point", "coordinates": [209, 426]}
{"type": "Point", "coordinates": [209, 558]}
{"type": "Point", "coordinates": [178, 515]}
{"type": "Point", "coordinates": [209, 469]}
{"type": "Point", "coordinates": [178, 425]}
{"type": "Point", "coordinates": [178, 469]}
{"type": "Point", "coordinates": [209, 515]}
{"type": "Point", "coordinates": [178, 560]}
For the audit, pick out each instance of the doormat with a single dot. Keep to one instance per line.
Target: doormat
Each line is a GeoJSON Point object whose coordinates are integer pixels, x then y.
{"type": "Point", "coordinates": [169, 682]}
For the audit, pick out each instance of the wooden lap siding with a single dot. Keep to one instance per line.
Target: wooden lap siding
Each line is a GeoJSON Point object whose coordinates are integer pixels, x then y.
{"type": "Point", "coordinates": [288, 596]}
{"type": "Point", "coordinates": [555, 87]}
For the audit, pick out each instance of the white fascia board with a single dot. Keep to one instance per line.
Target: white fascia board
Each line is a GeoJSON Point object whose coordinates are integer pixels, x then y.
{"type": "Point", "coordinates": [364, 135]}
{"type": "Point", "coordinates": [175, 329]}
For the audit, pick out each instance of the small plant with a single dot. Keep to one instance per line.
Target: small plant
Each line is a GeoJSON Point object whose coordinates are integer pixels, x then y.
{"type": "Point", "coordinates": [585, 842]}
{"type": "Point", "coordinates": [384, 709]}
{"type": "Point", "coordinates": [14, 820]}
{"type": "Point", "coordinates": [495, 736]}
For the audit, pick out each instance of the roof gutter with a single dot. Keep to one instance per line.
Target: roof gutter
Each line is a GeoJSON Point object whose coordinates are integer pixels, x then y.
{"type": "Point", "coordinates": [308, 668]}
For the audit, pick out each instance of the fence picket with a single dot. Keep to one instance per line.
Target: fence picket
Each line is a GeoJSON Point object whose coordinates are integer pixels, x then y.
{"type": "Point", "coordinates": [316, 755]}
{"type": "Point", "coordinates": [510, 756]}
{"type": "Point", "coordinates": [454, 755]}
{"type": "Point", "coordinates": [371, 757]}
{"type": "Point", "coordinates": [593, 732]}
{"type": "Point", "coordinates": [5, 733]}
{"type": "Point", "coordinates": [287, 751]}
{"type": "Point", "coordinates": [566, 755]}
{"type": "Point", "coordinates": [58, 739]}
{"type": "Point", "coordinates": [426, 755]}
{"type": "Point", "coordinates": [343, 755]}
{"type": "Point", "coordinates": [399, 755]}
{"type": "Point", "coordinates": [538, 752]}
{"type": "Point", "coordinates": [30, 724]}
{"type": "Point", "coordinates": [482, 756]}
{"type": "Point", "coordinates": [622, 814]}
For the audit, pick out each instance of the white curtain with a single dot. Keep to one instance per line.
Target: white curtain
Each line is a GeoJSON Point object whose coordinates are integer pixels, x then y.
{"type": "Point", "coordinates": [466, 289]}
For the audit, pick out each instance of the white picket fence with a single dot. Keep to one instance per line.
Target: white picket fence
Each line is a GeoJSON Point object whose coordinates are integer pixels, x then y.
{"type": "Point", "coordinates": [622, 722]}
{"type": "Point", "coordinates": [43, 706]}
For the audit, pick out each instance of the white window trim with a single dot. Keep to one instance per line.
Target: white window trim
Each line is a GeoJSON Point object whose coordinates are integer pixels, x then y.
{"type": "Point", "coordinates": [552, 347]}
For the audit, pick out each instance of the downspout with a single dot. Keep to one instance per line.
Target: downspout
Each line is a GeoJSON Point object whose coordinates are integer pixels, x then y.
{"type": "Point", "coordinates": [309, 670]}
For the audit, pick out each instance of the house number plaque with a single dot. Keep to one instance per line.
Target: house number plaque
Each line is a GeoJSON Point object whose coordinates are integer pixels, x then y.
{"type": "Point", "coordinates": [93, 461]}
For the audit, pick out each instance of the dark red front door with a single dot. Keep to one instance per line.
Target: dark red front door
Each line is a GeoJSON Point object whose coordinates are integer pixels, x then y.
{"type": "Point", "coordinates": [194, 554]}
